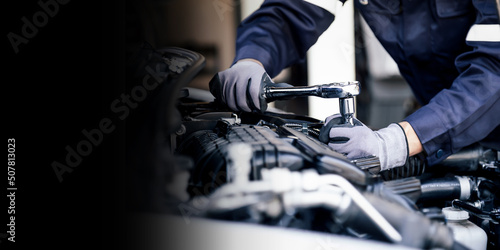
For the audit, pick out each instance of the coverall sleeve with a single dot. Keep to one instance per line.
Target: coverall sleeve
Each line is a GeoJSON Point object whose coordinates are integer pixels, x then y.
{"type": "Point", "coordinates": [469, 110]}
{"type": "Point", "coordinates": [280, 33]}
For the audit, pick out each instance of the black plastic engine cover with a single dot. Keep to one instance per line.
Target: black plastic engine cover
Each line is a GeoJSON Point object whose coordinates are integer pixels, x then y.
{"type": "Point", "coordinates": [209, 149]}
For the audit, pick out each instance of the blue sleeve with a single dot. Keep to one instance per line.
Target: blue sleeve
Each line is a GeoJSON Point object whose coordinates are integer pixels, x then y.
{"type": "Point", "coordinates": [469, 111]}
{"type": "Point", "coordinates": [280, 33]}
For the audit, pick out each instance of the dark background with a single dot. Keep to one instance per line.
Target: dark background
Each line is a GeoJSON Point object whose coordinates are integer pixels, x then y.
{"type": "Point", "coordinates": [59, 83]}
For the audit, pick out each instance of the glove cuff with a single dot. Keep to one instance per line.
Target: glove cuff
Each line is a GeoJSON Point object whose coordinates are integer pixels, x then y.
{"type": "Point", "coordinates": [393, 150]}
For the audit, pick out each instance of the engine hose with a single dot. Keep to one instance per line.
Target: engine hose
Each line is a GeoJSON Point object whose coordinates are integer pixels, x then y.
{"type": "Point", "coordinates": [447, 188]}
{"type": "Point", "coordinates": [417, 190]}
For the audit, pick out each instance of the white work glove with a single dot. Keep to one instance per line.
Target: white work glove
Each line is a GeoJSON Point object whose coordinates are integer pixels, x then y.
{"type": "Point", "coordinates": [241, 86]}
{"type": "Point", "coordinates": [388, 144]}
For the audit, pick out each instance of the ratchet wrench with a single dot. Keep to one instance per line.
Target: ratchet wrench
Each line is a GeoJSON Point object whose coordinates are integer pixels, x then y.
{"type": "Point", "coordinates": [345, 91]}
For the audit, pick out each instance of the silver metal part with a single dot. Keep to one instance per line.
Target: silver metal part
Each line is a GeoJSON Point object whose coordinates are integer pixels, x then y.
{"type": "Point", "coordinates": [347, 109]}
{"type": "Point", "coordinates": [364, 205]}
{"type": "Point", "coordinates": [233, 120]}
{"type": "Point", "coordinates": [332, 90]}
{"type": "Point", "coordinates": [345, 91]}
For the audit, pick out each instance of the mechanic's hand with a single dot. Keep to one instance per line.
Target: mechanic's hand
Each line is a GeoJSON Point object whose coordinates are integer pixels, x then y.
{"type": "Point", "coordinates": [241, 86]}
{"type": "Point", "coordinates": [388, 144]}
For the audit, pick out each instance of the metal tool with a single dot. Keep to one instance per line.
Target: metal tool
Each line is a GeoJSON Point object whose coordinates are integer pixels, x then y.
{"type": "Point", "coordinates": [345, 91]}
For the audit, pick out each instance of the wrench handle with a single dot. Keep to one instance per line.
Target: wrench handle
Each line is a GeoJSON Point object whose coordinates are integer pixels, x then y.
{"type": "Point", "coordinates": [285, 93]}
{"type": "Point", "coordinates": [332, 90]}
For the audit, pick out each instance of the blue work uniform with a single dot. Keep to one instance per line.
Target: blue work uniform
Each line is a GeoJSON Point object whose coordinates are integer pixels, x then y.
{"type": "Point", "coordinates": [440, 47]}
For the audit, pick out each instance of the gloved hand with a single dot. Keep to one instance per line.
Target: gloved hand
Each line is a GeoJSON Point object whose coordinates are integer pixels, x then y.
{"type": "Point", "coordinates": [241, 86]}
{"type": "Point", "coordinates": [388, 144]}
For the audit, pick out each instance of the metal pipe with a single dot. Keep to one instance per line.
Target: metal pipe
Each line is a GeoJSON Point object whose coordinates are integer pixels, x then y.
{"type": "Point", "coordinates": [372, 213]}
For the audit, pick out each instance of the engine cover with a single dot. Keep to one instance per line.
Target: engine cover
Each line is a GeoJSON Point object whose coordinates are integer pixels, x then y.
{"type": "Point", "coordinates": [209, 150]}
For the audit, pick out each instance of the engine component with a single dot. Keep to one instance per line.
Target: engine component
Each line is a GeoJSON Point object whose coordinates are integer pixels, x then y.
{"type": "Point", "coordinates": [325, 159]}
{"type": "Point", "coordinates": [269, 168]}
{"type": "Point", "coordinates": [281, 191]}
{"type": "Point", "coordinates": [408, 187]}
{"type": "Point", "coordinates": [476, 210]}
{"type": "Point", "coordinates": [471, 159]}
{"type": "Point", "coordinates": [447, 188]}
{"type": "Point", "coordinates": [289, 143]}
{"type": "Point", "coordinates": [298, 190]}
{"type": "Point", "coordinates": [210, 137]}
{"type": "Point", "coordinates": [210, 150]}
{"type": "Point", "coordinates": [465, 231]}
{"type": "Point", "coordinates": [420, 189]}
{"type": "Point", "coordinates": [414, 166]}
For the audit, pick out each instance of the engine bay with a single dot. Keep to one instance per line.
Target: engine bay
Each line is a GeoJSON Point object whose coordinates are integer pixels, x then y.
{"type": "Point", "coordinates": [195, 159]}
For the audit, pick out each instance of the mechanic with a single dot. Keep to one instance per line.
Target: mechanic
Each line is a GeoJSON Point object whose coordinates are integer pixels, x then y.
{"type": "Point", "coordinates": [447, 50]}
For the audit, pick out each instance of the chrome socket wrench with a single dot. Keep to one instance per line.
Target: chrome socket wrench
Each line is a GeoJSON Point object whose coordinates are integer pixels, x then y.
{"type": "Point", "coordinates": [345, 91]}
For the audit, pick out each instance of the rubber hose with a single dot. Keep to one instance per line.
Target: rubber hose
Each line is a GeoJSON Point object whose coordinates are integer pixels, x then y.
{"type": "Point", "coordinates": [447, 188]}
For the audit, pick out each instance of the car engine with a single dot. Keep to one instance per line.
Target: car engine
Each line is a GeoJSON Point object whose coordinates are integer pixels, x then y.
{"type": "Point", "coordinates": [263, 180]}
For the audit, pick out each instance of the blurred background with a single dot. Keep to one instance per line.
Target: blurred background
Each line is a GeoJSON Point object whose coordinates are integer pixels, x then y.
{"type": "Point", "coordinates": [347, 51]}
